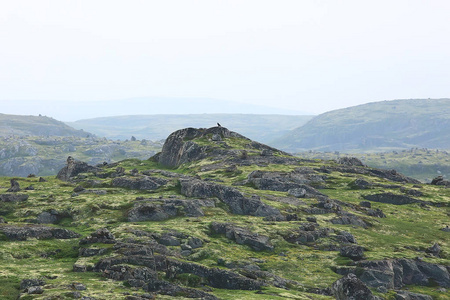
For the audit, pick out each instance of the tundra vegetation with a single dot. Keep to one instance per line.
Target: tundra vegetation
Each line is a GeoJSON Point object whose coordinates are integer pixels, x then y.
{"type": "Point", "coordinates": [216, 215]}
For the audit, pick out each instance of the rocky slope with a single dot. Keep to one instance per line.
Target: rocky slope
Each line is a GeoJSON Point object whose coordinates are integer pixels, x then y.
{"type": "Point", "coordinates": [377, 126]}
{"type": "Point", "coordinates": [216, 215]}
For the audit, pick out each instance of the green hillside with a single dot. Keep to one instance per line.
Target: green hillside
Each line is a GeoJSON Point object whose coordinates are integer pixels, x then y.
{"type": "Point", "coordinates": [40, 145]}
{"type": "Point", "coordinates": [17, 125]}
{"type": "Point", "coordinates": [216, 215]}
{"type": "Point", "coordinates": [265, 128]}
{"type": "Point", "coordinates": [375, 127]}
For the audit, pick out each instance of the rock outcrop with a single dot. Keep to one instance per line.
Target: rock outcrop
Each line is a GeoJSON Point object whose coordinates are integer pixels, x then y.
{"type": "Point", "coordinates": [396, 273]}
{"type": "Point", "coordinates": [73, 168]}
{"type": "Point", "coordinates": [22, 233]}
{"type": "Point", "coordinates": [243, 236]}
{"type": "Point", "coordinates": [232, 197]}
{"type": "Point", "coordinates": [350, 287]}
{"type": "Point", "coordinates": [140, 183]}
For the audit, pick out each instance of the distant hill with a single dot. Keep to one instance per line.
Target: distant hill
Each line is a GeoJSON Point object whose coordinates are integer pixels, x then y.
{"type": "Point", "coordinates": [17, 125]}
{"type": "Point", "coordinates": [377, 126]}
{"type": "Point", "coordinates": [71, 111]}
{"type": "Point", "coordinates": [264, 128]}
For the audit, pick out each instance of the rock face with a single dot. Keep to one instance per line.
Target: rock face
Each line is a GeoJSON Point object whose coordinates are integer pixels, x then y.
{"type": "Point", "coordinates": [73, 168]}
{"type": "Point", "coordinates": [142, 183]}
{"type": "Point", "coordinates": [350, 287]}
{"type": "Point", "coordinates": [392, 199]}
{"type": "Point", "coordinates": [284, 182]}
{"type": "Point", "coordinates": [162, 209]}
{"type": "Point", "coordinates": [22, 233]}
{"type": "Point", "coordinates": [232, 197]}
{"type": "Point", "coordinates": [395, 273]}
{"type": "Point", "coordinates": [242, 236]}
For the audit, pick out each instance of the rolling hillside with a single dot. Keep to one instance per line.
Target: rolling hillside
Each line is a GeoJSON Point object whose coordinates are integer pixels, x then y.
{"type": "Point", "coordinates": [18, 125]}
{"type": "Point", "coordinates": [377, 126]}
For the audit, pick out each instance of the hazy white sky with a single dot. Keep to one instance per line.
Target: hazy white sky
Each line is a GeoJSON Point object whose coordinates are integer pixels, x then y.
{"type": "Point", "coordinates": [302, 55]}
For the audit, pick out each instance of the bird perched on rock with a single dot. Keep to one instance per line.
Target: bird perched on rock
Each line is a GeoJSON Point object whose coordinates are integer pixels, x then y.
{"type": "Point", "coordinates": [219, 125]}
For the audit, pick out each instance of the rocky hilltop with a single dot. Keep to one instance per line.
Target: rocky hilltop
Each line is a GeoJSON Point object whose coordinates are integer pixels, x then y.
{"type": "Point", "coordinates": [216, 215]}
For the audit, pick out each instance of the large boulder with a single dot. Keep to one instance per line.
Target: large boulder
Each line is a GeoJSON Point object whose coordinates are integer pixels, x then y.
{"type": "Point", "coordinates": [350, 287]}
{"type": "Point", "coordinates": [15, 186]}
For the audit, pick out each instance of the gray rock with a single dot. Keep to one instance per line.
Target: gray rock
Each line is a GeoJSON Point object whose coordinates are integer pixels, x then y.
{"type": "Point", "coordinates": [22, 233]}
{"type": "Point", "coordinates": [13, 197]}
{"type": "Point", "coordinates": [350, 219]}
{"type": "Point", "coordinates": [395, 273]}
{"type": "Point", "coordinates": [141, 183]}
{"type": "Point", "coordinates": [152, 212]}
{"type": "Point", "coordinates": [297, 192]}
{"type": "Point", "coordinates": [102, 235]}
{"type": "Point", "coordinates": [26, 283]}
{"type": "Point", "coordinates": [33, 290]}
{"type": "Point", "coordinates": [353, 252]}
{"type": "Point", "coordinates": [365, 204]}
{"type": "Point", "coordinates": [195, 242]}
{"type": "Point", "coordinates": [232, 197]}
{"type": "Point", "coordinates": [350, 287]}
{"type": "Point", "coordinates": [360, 183]}
{"type": "Point", "coordinates": [15, 186]}
{"type": "Point", "coordinates": [243, 236]}
{"type": "Point", "coordinates": [88, 252]}
{"type": "Point", "coordinates": [350, 161]}
{"type": "Point", "coordinates": [391, 198]}
{"type": "Point", "coordinates": [405, 295]}
{"type": "Point", "coordinates": [73, 168]}
{"type": "Point", "coordinates": [434, 250]}
{"type": "Point", "coordinates": [169, 240]}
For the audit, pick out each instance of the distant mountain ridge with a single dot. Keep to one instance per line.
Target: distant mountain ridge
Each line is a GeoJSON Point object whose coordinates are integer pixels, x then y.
{"type": "Point", "coordinates": [263, 127]}
{"type": "Point", "coordinates": [377, 126]}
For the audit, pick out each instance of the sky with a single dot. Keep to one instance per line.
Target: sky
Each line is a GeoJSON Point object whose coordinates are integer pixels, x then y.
{"type": "Point", "coordinates": [306, 56]}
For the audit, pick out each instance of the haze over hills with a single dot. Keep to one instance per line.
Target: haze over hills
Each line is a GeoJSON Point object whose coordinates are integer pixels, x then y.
{"type": "Point", "coordinates": [265, 128]}
{"type": "Point", "coordinates": [377, 126]}
{"type": "Point", "coordinates": [86, 109]}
